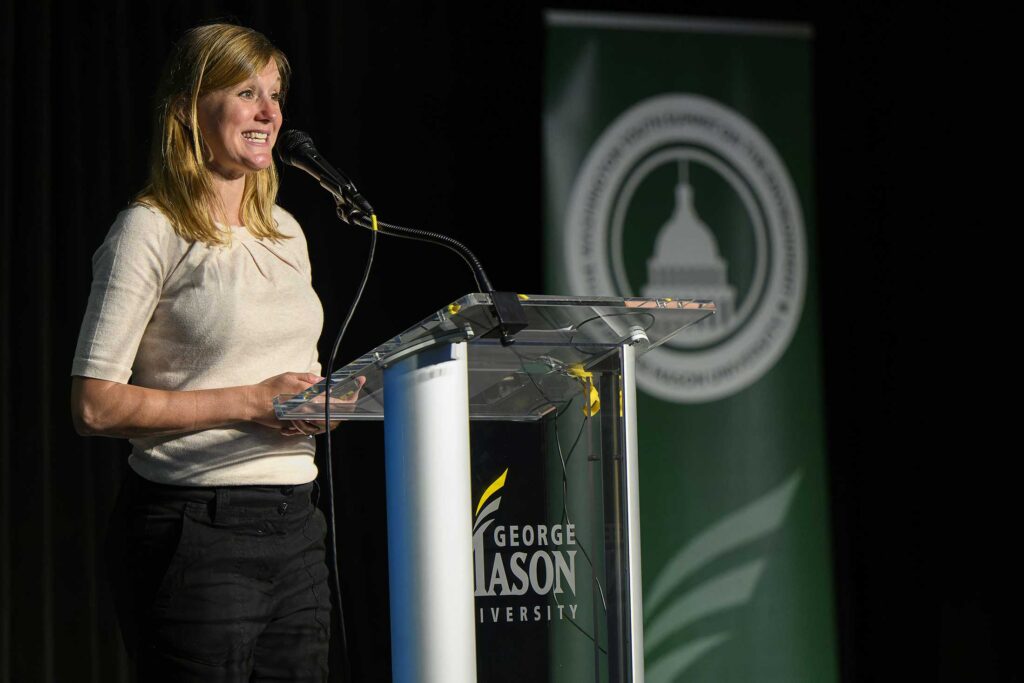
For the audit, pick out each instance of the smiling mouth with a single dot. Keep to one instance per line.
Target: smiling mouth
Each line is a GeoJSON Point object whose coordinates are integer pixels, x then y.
{"type": "Point", "coordinates": [255, 136]}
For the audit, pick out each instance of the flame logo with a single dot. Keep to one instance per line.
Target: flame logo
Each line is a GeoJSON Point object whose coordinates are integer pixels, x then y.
{"type": "Point", "coordinates": [491, 489]}
{"type": "Point", "coordinates": [665, 613]}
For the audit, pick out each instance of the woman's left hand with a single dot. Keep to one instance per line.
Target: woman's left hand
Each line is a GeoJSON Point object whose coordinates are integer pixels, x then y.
{"type": "Point", "coordinates": [314, 427]}
{"type": "Point", "coordinates": [304, 428]}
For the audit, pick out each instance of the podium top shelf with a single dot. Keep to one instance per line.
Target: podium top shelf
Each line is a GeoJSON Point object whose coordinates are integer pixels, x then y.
{"type": "Point", "coordinates": [525, 380]}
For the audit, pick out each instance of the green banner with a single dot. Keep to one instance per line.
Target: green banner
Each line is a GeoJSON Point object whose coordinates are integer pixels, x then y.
{"type": "Point", "coordinates": [678, 163]}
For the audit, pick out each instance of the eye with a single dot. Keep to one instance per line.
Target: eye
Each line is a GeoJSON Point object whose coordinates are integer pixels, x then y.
{"type": "Point", "coordinates": [275, 96]}
{"type": "Point", "coordinates": [247, 93]}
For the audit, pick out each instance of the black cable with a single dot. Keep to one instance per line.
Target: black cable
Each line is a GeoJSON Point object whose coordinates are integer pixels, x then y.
{"type": "Point", "coordinates": [353, 209]}
{"type": "Point", "coordinates": [297, 149]}
{"type": "Point", "coordinates": [558, 443]}
{"type": "Point", "coordinates": [565, 503]}
{"type": "Point", "coordinates": [346, 664]}
{"type": "Point", "coordinates": [581, 629]}
{"type": "Point", "coordinates": [564, 459]}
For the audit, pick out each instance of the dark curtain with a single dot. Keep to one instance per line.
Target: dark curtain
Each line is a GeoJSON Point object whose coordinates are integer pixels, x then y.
{"type": "Point", "coordinates": [433, 109]}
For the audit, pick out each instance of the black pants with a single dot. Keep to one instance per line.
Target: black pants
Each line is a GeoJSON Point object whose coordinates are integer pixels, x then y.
{"type": "Point", "coordinates": [222, 584]}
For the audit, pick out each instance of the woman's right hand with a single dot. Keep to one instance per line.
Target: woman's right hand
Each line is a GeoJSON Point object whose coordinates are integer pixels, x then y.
{"type": "Point", "coordinates": [260, 396]}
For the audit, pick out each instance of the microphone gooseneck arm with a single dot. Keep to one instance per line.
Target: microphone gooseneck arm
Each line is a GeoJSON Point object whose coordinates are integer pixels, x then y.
{"type": "Point", "coordinates": [482, 281]}
{"type": "Point", "coordinates": [296, 149]}
{"type": "Point", "coordinates": [507, 307]}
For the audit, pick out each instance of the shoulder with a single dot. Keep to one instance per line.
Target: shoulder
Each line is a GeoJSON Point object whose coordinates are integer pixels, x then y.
{"type": "Point", "coordinates": [140, 222]}
{"type": "Point", "coordinates": [144, 215]}
{"type": "Point", "coordinates": [286, 222]}
{"type": "Point", "coordinates": [296, 244]}
{"type": "Point", "coordinates": [141, 233]}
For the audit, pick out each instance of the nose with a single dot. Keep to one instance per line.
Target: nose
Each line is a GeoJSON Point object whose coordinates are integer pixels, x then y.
{"type": "Point", "coordinates": [270, 109]}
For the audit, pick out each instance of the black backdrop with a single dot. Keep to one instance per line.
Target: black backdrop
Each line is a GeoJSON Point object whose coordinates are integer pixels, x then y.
{"type": "Point", "coordinates": [434, 109]}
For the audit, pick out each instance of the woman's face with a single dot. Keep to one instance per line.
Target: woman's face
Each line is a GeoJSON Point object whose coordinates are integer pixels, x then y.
{"type": "Point", "coordinates": [240, 123]}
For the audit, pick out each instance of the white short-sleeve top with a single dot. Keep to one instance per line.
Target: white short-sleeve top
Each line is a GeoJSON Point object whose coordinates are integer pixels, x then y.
{"type": "Point", "coordinates": [167, 313]}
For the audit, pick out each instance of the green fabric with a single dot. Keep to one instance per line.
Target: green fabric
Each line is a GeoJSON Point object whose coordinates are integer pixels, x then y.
{"type": "Point", "coordinates": [734, 510]}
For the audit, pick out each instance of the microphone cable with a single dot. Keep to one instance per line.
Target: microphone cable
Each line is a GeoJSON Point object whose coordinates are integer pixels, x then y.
{"type": "Point", "coordinates": [296, 149]}
{"type": "Point", "coordinates": [346, 662]}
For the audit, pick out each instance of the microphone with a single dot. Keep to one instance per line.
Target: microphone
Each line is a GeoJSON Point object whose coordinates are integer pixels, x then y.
{"type": "Point", "coordinates": [296, 148]}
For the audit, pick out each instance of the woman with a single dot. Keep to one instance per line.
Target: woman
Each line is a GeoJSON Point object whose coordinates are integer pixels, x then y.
{"type": "Point", "coordinates": [201, 296]}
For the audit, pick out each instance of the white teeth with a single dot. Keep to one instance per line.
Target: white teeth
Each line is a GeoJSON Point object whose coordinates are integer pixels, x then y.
{"type": "Point", "coordinates": [258, 137]}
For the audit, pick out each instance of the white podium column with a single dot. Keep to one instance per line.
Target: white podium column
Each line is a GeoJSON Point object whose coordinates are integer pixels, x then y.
{"type": "Point", "coordinates": [636, 600]}
{"type": "Point", "coordinates": [429, 502]}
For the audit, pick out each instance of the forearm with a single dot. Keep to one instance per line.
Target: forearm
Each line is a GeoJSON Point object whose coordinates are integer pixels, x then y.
{"type": "Point", "coordinates": [102, 408]}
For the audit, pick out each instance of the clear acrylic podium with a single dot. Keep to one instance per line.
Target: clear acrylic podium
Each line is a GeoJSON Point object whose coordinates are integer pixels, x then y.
{"type": "Point", "coordinates": [560, 574]}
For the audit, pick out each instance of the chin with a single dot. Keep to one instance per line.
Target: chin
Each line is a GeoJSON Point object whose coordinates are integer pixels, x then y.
{"type": "Point", "coordinates": [260, 165]}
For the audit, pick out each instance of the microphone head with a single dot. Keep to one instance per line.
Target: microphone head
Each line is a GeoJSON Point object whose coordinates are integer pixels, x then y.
{"type": "Point", "coordinates": [291, 144]}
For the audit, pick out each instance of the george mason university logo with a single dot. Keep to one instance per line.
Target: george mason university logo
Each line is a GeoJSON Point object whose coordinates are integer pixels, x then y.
{"type": "Point", "coordinates": [682, 197]}
{"type": "Point", "coordinates": [534, 563]}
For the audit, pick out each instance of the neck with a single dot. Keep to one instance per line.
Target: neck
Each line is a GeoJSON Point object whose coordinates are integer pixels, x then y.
{"type": "Point", "coordinates": [229, 193]}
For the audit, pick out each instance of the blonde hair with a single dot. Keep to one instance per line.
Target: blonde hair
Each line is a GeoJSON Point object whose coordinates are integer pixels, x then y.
{"type": "Point", "coordinates": [206, 59]}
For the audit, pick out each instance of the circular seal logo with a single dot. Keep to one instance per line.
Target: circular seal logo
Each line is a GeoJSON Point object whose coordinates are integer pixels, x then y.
{"type": "Point", "coordinates": [683, 197]}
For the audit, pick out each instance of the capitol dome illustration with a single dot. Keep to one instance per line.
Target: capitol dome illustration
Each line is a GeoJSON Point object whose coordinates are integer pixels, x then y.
{"type": "Point", "coordinates": [686, 264]}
